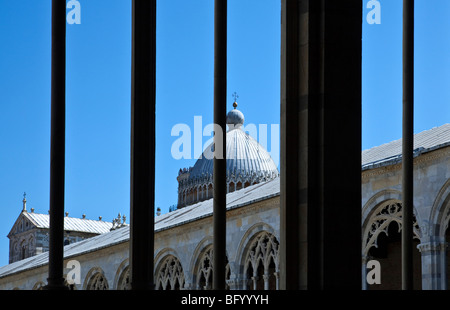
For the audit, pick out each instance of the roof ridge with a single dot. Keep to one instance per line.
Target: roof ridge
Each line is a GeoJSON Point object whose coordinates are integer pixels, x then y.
{"type": "Point", "coordinates": [41, 220]}
{"type": "Point", "coordinates": [71, 217]}
{"type": "Point", "coordinates": [400, 139]}
{"type": "Point", "coordinates": [424, 141]}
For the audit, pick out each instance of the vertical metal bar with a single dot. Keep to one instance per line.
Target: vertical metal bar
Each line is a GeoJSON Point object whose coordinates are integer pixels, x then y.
{"type": "Point", "coordinates": [219, 176]}
{"type": "Point", "coordinates": [57, 148]}
{"type": "Point", "coordinates": [142, 170]}
{"type": "Point", "coordinates": [408, 144]}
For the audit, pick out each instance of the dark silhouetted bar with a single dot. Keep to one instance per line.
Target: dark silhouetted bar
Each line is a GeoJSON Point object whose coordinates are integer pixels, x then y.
{"type": "Point", "coordinates": [143, 107]}
{"type": "Point", "coordinates": [219, 174]}
{"type": "Point", "coordinates": [408, 144]}
{"type": "Point", "coordinates": [57, 148]}
{"type": "Point", "coordinates": [320, 147]}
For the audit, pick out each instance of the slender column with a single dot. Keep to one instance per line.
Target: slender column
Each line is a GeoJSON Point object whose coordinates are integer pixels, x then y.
{"type": "Point", "coordinates": [320, 145]}
{"type": "Point", "coordinates": [408, 144]}
{"type": "Point", "coordinates": [143, 89]}
{"type": "Point", "coordinates": [443, 271]}
{"type": "Point", "coordinates": [266, 278]}
{"type": "Point", "coordinates": [220, 110]}
{"type": "Point", "coordinates": [433, 265]}
{"type": "Point", "coordinates": [255, 279]}
{"type": "Point", "coordinates": [57, 149]}
{"type": "Point", "coordinates": [364, 272]}
{"type": "Point", "coordinates": [277, 279]}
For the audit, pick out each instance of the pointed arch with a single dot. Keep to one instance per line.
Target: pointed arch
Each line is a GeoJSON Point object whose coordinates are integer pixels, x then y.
{"type": "Point", "coordinates": [169, 272]}
{"type": "Point", "coordinates": [122, 277]}
{"type": "Point", "coordinates": [259, 257]}
{"type": "Point", "coordinates": [379, 211]}
{"type": "Point", "coordinates": [440, 211]}
{"type": "Point", "coordinates": [379, 222]}
{"type": "Point", "coordinates": [202, 269]}
{"type": "Point", "coordinates": [96, 280]}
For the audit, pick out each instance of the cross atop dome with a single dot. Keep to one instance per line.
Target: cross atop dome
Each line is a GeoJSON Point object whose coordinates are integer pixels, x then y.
{"type": "Point", "coordinates": [235, 95]}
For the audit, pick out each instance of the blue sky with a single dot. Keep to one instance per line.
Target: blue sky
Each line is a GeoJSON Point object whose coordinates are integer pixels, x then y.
{"type": "Point", "coordinates": [98, 91]}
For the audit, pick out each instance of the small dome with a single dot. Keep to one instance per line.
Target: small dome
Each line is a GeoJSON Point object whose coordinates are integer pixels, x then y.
{"type": "Point", "coordinates": [244, 156]}
{"type": "Point", "coordinates": [235, 118]}
{"type": "Point", "coordinates": [247, 163]}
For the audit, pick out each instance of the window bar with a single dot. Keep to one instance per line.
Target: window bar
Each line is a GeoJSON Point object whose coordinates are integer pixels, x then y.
{"type": "Point", "coordinates": [57, 150]}
{"type": "Point", "coordinates": [142, 161]}
{"type": "Point", "coordinates": [408, 144]}
{"type": "Point", "coordinates": [219, 174]}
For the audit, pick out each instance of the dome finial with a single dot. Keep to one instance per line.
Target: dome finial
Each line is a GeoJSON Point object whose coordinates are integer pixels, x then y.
{"type": "Point", "coordinates": [235, 118]}
{"type": "Point", "coordinates": [235, 95]}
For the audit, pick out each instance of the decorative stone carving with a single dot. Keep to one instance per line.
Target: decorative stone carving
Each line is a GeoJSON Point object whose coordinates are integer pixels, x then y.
{"type": "Point", "coordinates": [170, 276]}
{"type": "Point", "coordinates": [124, 281]}
{"type": "Point", "coordinates": [118, 222]}
{"type": "Point", "coordinates": [97, 282]}
{"type": "Point", "coordinates": [205, 271]}
{"type": "Point", "coordinates": [192, 190]}
{"type": "Point", "coordinates": [263, 250]}
{"type": "Point", "coordinates": [379, 223]}
{"type": "Point", "coordinates": [432, 247]}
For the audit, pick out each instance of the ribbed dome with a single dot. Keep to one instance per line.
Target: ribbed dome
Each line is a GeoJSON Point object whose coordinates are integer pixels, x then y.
{"type": "Point", "coordinates": [244, 154]}
{"type": "Point", "coordinates": [247, 163]}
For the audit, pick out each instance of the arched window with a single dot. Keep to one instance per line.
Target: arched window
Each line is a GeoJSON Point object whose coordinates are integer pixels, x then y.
{"type": "Point", "coordinates": [23, 250]}
{"type": "Point", "coordinates": [238, 185]}
{"type": "Point", "coordinates": [170, 275]}
{"type": "Point", "coordinates": [97, 282]}
{"type": "Point", "coordinates": [261, 263]}
{"type": "Point", "coordinates": [205, 271]}
{"type": "Point", "coordinates": [231, 187]}
{"type": "Point", "coordinates": [210, 191]}
{"type": "Point", "coordinates": [124, 280]}
{"type": "Point", "coordinates": [39, 286]}
{"type": "Point", "coordinates": [382, 242]}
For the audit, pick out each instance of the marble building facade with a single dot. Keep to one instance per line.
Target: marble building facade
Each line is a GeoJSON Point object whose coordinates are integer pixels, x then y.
{"type": "Point", "coordinates": [183, 238]}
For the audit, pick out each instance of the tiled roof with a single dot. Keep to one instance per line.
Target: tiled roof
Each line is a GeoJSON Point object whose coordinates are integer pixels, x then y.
{"type": "Point", "coordinates": [235, 199]}
{"type": "Point", "coordinates": [424, 141]}
{"type": "Point", "coordinates": [70, 223]}
{"type": "Point", "coordinates": [191, 213]}
{"type": "Point", "coordinates": [84, 246]}
{"type": "Point", "coordinates": [427, 141]}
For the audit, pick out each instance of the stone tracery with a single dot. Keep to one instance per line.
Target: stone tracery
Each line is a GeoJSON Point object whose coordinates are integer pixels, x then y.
{"type": "Point", "coordinates": [261, 263]}
{"type": "Point", "coordinates": [124, 280]}
{"type": "Point", "coordinates": [97, 282]}
{"type": "Point", "coordinates": [170, 275]}
{"type": "Point", "coordinates": [205, 271]}
{"type": "Point", "coordinates": [379, 223]}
